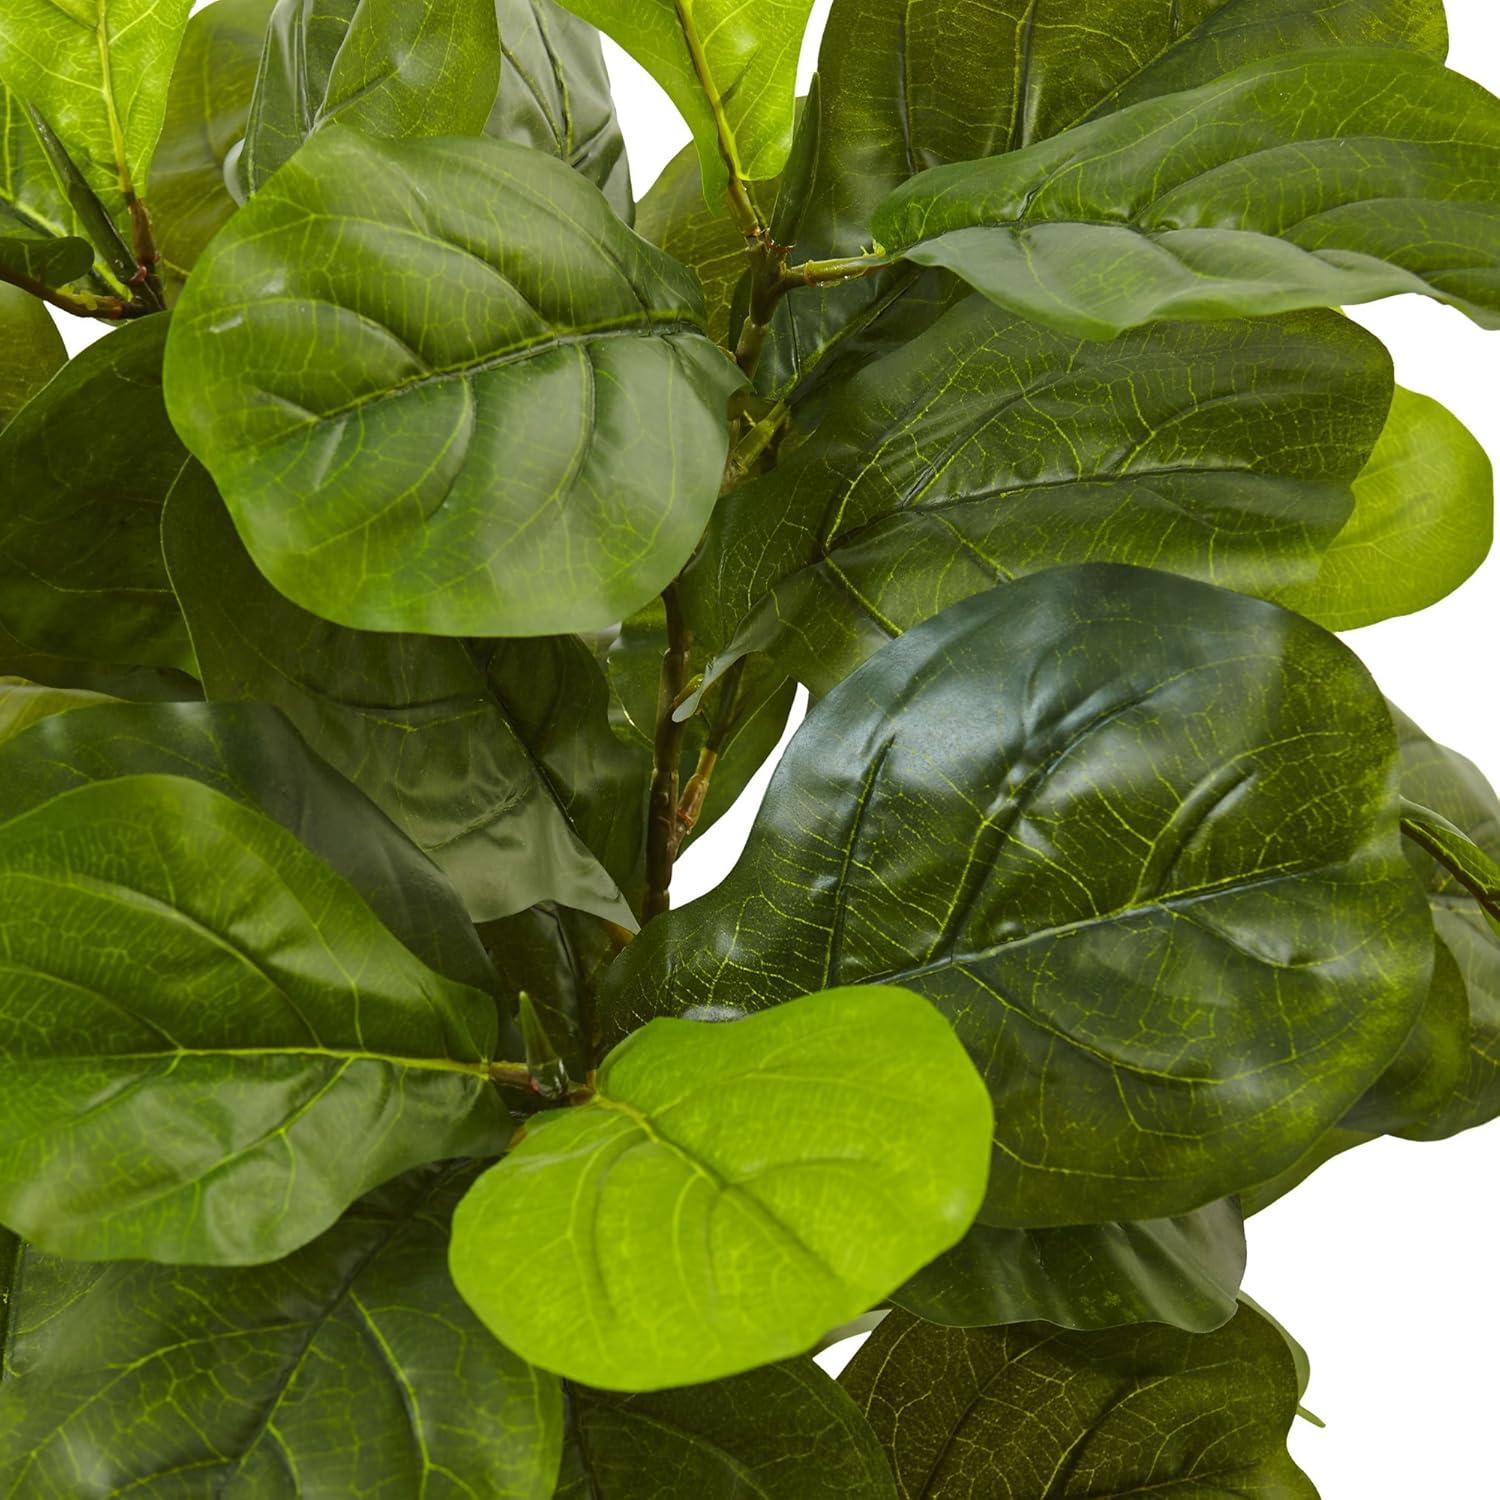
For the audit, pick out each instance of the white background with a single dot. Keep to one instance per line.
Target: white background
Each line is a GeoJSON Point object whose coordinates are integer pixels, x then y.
{"type": "Point", "coordinates": [1384, 1263]}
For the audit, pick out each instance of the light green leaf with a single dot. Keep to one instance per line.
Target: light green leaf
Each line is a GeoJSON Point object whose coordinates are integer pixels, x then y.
{"type": "Point", "coordinates": [350, 1368]}
{"type": "Point", "coordinates": [730, 68]}
{"type": "Point", "coordinates": [24, 703]}
{"type": "Point", "coordinates": [904, 87]}
{"type": "Point", "coordinates": [1136, 837]}
{"type": "Point", "coordinates": [1028, 1411]}
{"type": "Point", "coordinates": [991, 447]}
{"type": "Point", "coordinates": [783, 1432]}
{"type": "Point", "coordinates": [98, 72]}
{"type": "Point", "coordinates": [386, 67]}
{"type": "Point", "coordinates": [555, 96]}
{"type": "Point", "coordinates": [1423, 521]}
{"type": "Point", "coordinates": [31, 350]}
{"type": "Point", "coordinates": [207, 111]}
{"type": "Point", "coordinates": [1184, 1271]}
{"type": "Point", "coordinates": [1241, 196]}
{"type": "Point", "coordinates": [84, 471]}
{"type": "Point", "coordinates": [199, 1017]}
{"type": "Point", "coordinates": [730, 1193]}
{"type": "Point", "coordinates": [416, 721]}
{"type": "Point", "coordinates": [373, 345]}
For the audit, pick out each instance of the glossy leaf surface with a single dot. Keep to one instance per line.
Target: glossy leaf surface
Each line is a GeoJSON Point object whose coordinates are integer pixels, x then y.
{"type": "Point", "coordinates": [33, 350]}
{"type": "Point", "coordinates": [84, 471]}
{"type": "Point", "coordinates": [370, 344]}
{"type": "Point", "coordinates": [730, 68]}
{"type": "Point", "coordinates": [990, 448]}
{"type": "Point", "coordinates": [199, 1017]}
{"type": "Point", "coordinates": [98, 71]}
{"type": "Point", "coordinates": [207, 111]}
{"type": "Point", "coordinates": [386, 67]}
{"type": "Point", "coordinates": [783, 1432]}
{"type": "Point", "coordinates": [352, 1367]}
{"type": "Point", "coordinates": [440, 743]}
{"type": "Point", "coordinates": [555, 96]}
{"type": "Point", "coordinates": [1136, 837]}
{"type": "Point", "coordinates": [1237, 197]}
{"type": "Point", "coordinates": [1184, 1271]}
{"type": "Point", "coordinates": [24, 703]}
{"type": "Point", "coordinates": [1423, 521]}
{"type": "Point", "coordinates": [730, 1193]}
{"type": "Point", "coordinates": [1032, 1413]}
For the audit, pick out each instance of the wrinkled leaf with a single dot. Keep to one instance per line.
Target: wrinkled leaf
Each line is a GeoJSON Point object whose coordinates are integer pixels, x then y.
{"type": "Point", "coordinates": [443, 388]}
{"type": "Point", "coordinates": [199, 1017]}
{"type": "Point", "coordinates": [730, 1193]}
{"type": "Point", "coordinates": [990, 448]}
{"type": "Point", "coordinates": [1423, 521]}
{"type": "Point", "coordinates": [1241, 196]}
{"type": "Point", "coordinates": [783, 1432]}
{"type": "Point", "coordinates": [1136, 837]}
{"type": "Point", "coordinates": [418, 723]}
{"type": "Point", "coordinates": [555, 96]}
{"type": "Point", "coordinates": [1032, 1413]}
{"type": "Point", "coordinates": [84, 471]}
{"type": "Point", "coordinates": [352, 1367]}
{"type": "Point", "coordinates": [386, 67]}
{"type": "Point", "coordinates": [98, 71]}
{"type": "Point", "coordinates": [207, 111]}
{"type": "Point", "coordinates": [31, 350]}
{"type": "Point", "coordinates": [1184, 1271]}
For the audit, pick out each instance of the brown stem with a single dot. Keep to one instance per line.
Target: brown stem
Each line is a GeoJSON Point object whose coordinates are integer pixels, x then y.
{"type": "Point", "coordinates": [695, 793]}
{"type": "Point", "coordinates": [83, 306]}
{"type": "Point", "coordinates": [661, 814]}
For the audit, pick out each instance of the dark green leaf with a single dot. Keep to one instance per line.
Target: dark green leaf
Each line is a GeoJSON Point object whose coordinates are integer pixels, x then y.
{"type": "Point", "coordinates": [554, 96]}
{"type": "Point", "coordinates": [991, 448]}
{"type": "Point", "coordinates": [1136, 837]}
{"type": "Point", "coordinates": [1423, 521]}
{"type": "Point", "coordinates": [350, 1368]}
{"type": "Point", "coordinates": [372, 345]}
{"type": "Point", "coordinates": [1184, 1271]}
{"type": "Point", "coordinates": [455, 756]}
{"type": "Point", "coordinates": [199, 1018]}
{"type": "Point", "coordinates": [98, 71]}
{"type": "Point", "coordinates": [31, 350]}
{"type": "Point", "coordinates": [24, 703]}
{"type": "Point", "coordinates": [37, 263]}
{"type": "Point", "coordinates": [1471, 866]}
{"type": "Point", "coordinates": [730, 1192]}
{"type": "Point", "coordinates": [84, 471]}
{"type": "Point", "coordinates": [730, 68]}
{"type": "Point", "coordinates": [207, 111]}
{"type": "Point", "coordinates": [1032, 1413]}
{"type": "Point", "coordinates": [387, 67]}
{"type": "Point", "coordinates": [1238, 197]}
{"type": "Point", "coordinates": [783, 1432]}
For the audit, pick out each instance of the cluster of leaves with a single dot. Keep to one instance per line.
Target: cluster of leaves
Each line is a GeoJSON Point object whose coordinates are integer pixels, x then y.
{"type": "Point", "coordinates": [434, 550]}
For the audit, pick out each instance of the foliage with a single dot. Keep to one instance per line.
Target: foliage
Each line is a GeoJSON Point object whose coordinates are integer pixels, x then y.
{"type": "Point", "coordinates": [437, 548]}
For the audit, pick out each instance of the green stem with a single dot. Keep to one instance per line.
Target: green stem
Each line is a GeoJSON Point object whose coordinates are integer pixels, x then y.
{"type": "Point", "coordinates": [661, 813]}
{"type": "Point", "coordinates": [695, 793]}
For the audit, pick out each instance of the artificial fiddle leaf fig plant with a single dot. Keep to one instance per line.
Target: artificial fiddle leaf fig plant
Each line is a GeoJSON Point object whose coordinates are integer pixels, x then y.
{"type": "Point", "coordinates": [437, 550]}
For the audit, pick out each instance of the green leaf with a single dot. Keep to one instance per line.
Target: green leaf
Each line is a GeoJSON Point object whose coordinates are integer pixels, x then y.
{"type": "Point", "coordinates": [463, 760]}
{"type": "Point", "coordinates": [1136, 837]}
{"type": "Point", "coordinates": [24, 703]}
{"type": "Point", "coordinates": [1027, 1412]}
{"type": "Point", "coordinates": [555, 96]}
{"type": "Point", "coordinates": [731, 70]}
{"type": "Point", "coordinates": [372, 341]}
{"type": "Point", "coordinates": [1184, 1271]}
{"type": "Point", "coordinates": [207, 112]}
{"type": "Point", "coordinates": [249, 753]}
{"type": "Point", "coordinates": [1238, 197]}
{"type": "Point", "coordinates": [33, 350]}
{"type": "Point", "coordinates": [98, 71]}
{"type": "Point", "coordinates": [84, 471]}
{"type": "Point", "coordinates": [1423, 521]}
{"type": "Point", "coordinates": [783, 1432]}
{"type": "Point", "coordinates": [41, 265]}
{"type": "Point", "coordinates": [200, 1017]}
{"type": "Point", "coordinates": [386, 67]}
{"type": "Point", "coordinates": [350, 1368]}
{"type": "Point", "coordinates": [730, 1193]}
{"type": "Point", "coordinates": [990, 448]}
{"type": "Point", "coordinates": [904, 87]}
{"type": "Point", "coordinates": [1474, 869]}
